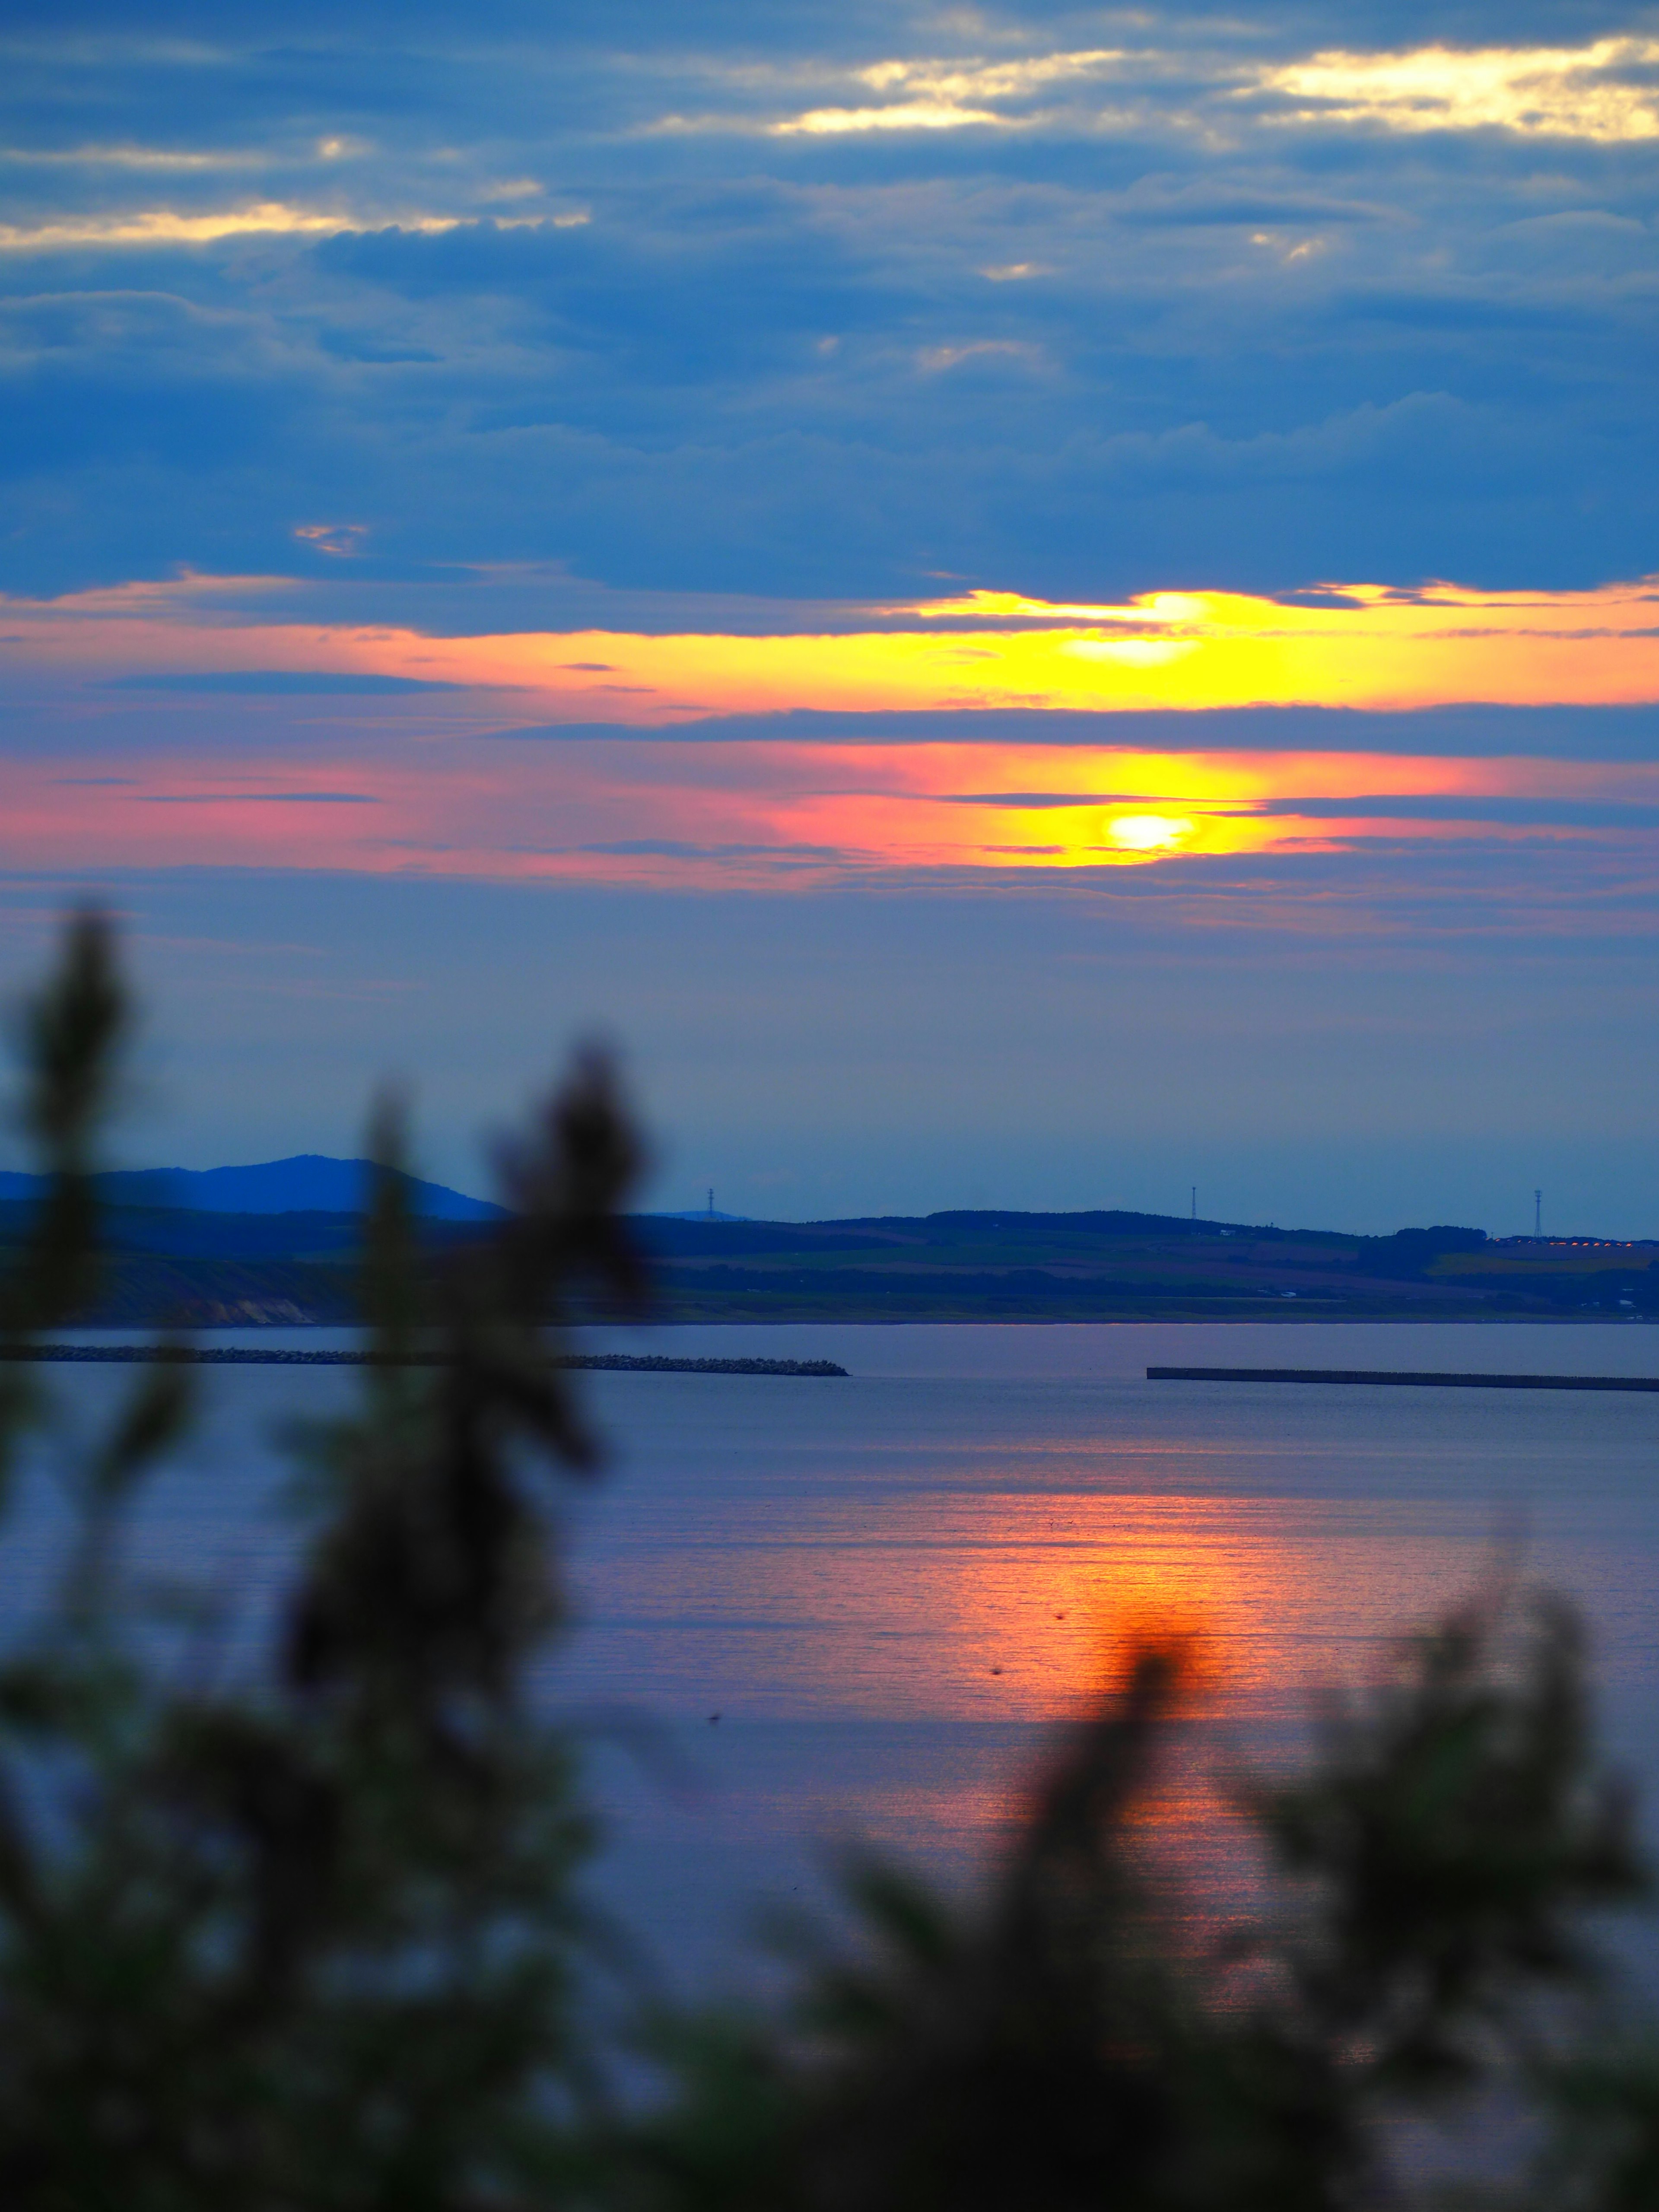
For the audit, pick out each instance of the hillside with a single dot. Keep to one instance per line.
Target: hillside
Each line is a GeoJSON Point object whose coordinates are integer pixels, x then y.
{"type": "Point", "coordinates": [1118, 1266]}
{"type": "Point", "coordinates": [206, 1268]}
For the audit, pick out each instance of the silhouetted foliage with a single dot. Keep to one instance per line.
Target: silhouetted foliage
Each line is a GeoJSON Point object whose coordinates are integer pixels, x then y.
{"type": "Point", "coordinates": [299, 1933]}
{"type": "Point", "coordinates": [303, 1937]}
{"type": "Point", "coordinates": [1068, 2045]}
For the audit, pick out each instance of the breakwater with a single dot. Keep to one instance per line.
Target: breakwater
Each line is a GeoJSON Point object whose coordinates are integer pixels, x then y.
{"type": "Point", "coordinates": [215, 1355]}
{"type": "Point", "coordinates": [1426, 1378]}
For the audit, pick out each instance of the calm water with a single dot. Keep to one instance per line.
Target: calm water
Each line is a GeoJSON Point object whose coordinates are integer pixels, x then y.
{"type": "Point", "coordinates": [889, 1589]}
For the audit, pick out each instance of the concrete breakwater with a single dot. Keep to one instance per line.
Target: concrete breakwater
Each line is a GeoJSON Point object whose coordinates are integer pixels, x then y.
{"type": "Point", "coordinates": [1424, 1378]}
{"type": "Point", "coordinates": [620, 1362]}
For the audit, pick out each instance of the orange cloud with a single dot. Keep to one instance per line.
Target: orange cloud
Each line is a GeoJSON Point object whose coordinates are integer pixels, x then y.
{"type": "Point", "coordinates": [1356, 646]}
{"type": "Point", "coordinates": [362, 782]}
{"type": "Point", "coordinates": [666, 810]}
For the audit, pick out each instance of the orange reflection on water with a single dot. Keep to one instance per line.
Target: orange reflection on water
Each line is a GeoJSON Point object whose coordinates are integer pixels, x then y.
{"type": "Point", "coordinates": [987, 1623]}
{"type": "Point", "coordinates": [1005, 1607]}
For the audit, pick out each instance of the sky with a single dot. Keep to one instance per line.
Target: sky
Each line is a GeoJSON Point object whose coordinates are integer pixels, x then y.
{"type": "Point", "coordinates": [1024, 606]}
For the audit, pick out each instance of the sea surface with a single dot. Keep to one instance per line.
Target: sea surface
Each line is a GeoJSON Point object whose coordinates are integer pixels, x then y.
{"type": "Point", "coordinates": [817, 1613]}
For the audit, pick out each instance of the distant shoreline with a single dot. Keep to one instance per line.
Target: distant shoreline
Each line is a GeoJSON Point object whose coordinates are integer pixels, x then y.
{"type": "Point", "coordinates": [229, 1355]}
{"type": "Point", "coordinates": [1389, 1316]}
{"type": "Point", "coordinates": [201, 1270]}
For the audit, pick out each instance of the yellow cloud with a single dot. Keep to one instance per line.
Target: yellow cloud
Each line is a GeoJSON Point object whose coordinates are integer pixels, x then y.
{"type": "Point", "coordinates": [1594, 92]}
{"type": "Point", "coordinates": [167, 227]}
{"type": "Point", "coordinates": [1565, 91]}
{"type": "Point", "coordinates": [1359, 645]}
{"type": "Point", "coordinates": [903, 115]}
{"type": "Point", "coordinates": [981, 79]}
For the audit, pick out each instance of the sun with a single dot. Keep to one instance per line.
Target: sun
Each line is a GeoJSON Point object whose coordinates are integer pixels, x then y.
{"type": "Point", "coordinates": [1148, 833]}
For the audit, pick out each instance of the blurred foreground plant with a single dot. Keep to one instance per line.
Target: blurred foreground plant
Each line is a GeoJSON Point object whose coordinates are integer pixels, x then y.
{"type": "Point", "coordinates": [299, 1933]}
{"type": "Point", "coordinates": [1068, 2045]}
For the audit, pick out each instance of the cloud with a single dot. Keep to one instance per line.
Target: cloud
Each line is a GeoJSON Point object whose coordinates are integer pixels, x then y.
{"type": "Point", "coordinates": [1414, 806]}
{"type": "Point", "coordinates": [280, 682]}
{"type": "Point", "coordinates": [1599, 92]}
{"type": "Point", "coordinates": [901, 115]}
{"type": "Point", "coordinates": [695, 363]}
{"type": "Point", "coordinates": [1472, 733]}
{"type": "Point", "coordinates": [934, 361]}
{"type": "Point", "coordinates": [164, 158]}
{"type": "Point", "coordinates": [238, 798]}
{"type": "Point", "coordinates": [1358, 646]}
{"type": "Point", "coordinates": [344, 540]}
{"type": "Point", "coordinates": [156, 227]}
{"type": "Point", "coordinates": [1603, 91]}
{"type": "Point", "coordinates": [790, 813]}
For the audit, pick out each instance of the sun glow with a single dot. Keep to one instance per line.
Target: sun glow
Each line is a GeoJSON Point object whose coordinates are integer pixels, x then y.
{"type": "Point", "coordinates": [1358, 646]}
{"type": "Point", "coordinates": [1148, 833]}
{"type": "Point", "coordinates": [665, 810]}
{"type": "Point", "coordinates": [619, 754]}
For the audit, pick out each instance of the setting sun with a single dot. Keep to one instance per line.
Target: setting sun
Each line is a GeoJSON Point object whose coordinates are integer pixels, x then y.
{"type": "Point", "coordinates": [1148, 833]}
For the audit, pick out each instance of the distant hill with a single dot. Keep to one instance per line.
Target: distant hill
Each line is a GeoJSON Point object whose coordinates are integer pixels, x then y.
{"type": "Point", "coordinates": [307, 1183]}
{"type": "Point", "coordinates": [278, 1262]}
{"type": "Point", "coordinates": [1119, 1266]}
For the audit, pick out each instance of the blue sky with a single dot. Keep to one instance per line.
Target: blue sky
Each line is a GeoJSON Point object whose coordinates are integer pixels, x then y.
{"type": "Point", "coordinates": [482, 488]}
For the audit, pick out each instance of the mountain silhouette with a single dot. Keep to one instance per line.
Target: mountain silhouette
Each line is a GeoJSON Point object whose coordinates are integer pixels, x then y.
{"type": "Point", "coordinates": [307, 1183]}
